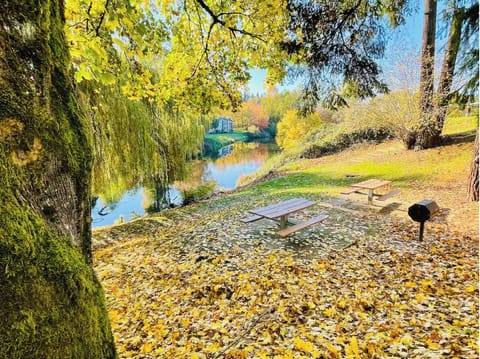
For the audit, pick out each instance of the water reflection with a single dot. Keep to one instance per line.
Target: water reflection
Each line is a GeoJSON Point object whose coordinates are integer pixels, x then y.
{"type": "Point", "coordinates": [239, 159]}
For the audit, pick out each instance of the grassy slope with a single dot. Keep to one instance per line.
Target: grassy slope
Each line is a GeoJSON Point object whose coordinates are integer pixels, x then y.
{"type": "Point", "coordinates": [439, 173]}
{"type": "Point", "coordinates": [460, 124]}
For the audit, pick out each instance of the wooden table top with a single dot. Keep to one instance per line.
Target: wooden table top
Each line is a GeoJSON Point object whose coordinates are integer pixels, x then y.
{"type": "Point", "coordinates": [283, 208]}
{"type": "Point", "coordinates": [371, 183]}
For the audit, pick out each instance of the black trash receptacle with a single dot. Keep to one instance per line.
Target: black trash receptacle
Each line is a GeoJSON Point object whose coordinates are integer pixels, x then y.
{"type": "Point", "coordinates": [423, 211]}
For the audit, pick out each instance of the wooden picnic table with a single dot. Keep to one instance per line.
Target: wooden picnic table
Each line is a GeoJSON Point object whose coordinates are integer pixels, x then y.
{"type": "Point", "coordinates": [280, 212]}
{"type": "Point", "coordinates": [371, 185]}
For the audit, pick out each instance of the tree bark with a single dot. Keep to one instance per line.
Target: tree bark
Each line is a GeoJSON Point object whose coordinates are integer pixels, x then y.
{"type": "Point", "coordinates": [427, 75]}
{"type": "Point", "coordinates": [51, 304]}
{"type": "Point", "coordinates": [447, 71]}
{"type": "Point", "coordinates": [472, 192]}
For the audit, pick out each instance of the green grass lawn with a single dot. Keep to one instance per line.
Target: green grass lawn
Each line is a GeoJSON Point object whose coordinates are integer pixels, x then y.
{"type": "Point", "coordinates": [460, 124]}
{"type": "Point", "coordinates": [389, 161]}
{"type": "Point", "coordinates": [227, 138]}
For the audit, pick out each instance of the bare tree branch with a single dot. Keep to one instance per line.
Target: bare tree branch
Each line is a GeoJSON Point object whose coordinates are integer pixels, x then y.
{"type": "Point", "coordinates": [102, 17]}
{"type": "Point", "coordinates": [217, 19]}
{"type": "Point", "coordinates": [247, 328]}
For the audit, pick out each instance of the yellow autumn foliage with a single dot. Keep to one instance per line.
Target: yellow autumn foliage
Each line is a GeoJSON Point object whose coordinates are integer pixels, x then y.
{"type": "Point", "coordinates": [293, 127]}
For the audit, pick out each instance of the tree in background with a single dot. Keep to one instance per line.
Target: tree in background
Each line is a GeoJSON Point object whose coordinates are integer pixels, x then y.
{"type": "Point", "coordinates": [462, 37]}
{"type": "Point", "coordinates": [462, 18]}
{"type": "Point", "coordinates": [257, 115]}
{"type": "Point", "coordinates": [448, 70]}
{"type": "Point", "coordinates": [293, 126]}
{"type": "Point", "coordinates": [249, 115]}
{"type": "Point", "coordinates": [52, 305]}
{"type": "Point", "coordinates": [276, 105]}
{"type": "Point", "coordinates": [427, 73]}
{"type": "Point", "coordinates": [472, 189]}
{"type": "Point", "coordinates": [336, 46]}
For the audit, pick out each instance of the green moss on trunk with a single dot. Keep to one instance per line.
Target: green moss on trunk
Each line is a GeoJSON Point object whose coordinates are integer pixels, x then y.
{"type": "Point", "coordinates": [52, 305]}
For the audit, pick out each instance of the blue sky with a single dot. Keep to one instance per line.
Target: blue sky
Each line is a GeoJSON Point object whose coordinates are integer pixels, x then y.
{"type": "Point", "coordinates": [404, 44]}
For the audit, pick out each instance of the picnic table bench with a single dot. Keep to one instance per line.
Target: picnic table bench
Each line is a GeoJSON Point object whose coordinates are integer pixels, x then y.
{"type": "Point", "coordinates": [280, 212]}
{"type": "Point", "coordinates": [371, 185]}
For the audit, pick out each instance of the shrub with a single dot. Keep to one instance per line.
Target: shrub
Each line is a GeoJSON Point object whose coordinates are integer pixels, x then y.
{"type": "Point", "coordinates": [195, 194]}
{"type": "Point", "coordinates": [345, 140]}
{"type": "Point", "coordinates": [293, 127]}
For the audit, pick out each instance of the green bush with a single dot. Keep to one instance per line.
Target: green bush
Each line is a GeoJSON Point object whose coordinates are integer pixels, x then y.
{"type": "Point", "coordinates": [203, 191]}
{"type": "Point", "coordinates": [345, 140]}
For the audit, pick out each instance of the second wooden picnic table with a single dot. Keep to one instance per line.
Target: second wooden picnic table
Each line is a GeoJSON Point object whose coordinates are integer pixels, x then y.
{"type": "Point", "coordinates": [371, 185]}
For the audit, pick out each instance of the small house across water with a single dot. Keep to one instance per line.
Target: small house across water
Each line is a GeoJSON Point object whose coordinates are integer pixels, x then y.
{"type": "Point", "coordinates": [222, 125]}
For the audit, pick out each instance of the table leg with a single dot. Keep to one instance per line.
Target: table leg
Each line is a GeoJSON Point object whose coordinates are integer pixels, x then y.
{"type": "Point", "coordinates": [283, 222]}
{"type": "Point", "coordinates": [370, 196]}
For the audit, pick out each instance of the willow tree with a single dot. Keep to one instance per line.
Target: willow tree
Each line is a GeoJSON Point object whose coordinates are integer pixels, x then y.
{"type": "Point", "coordinates": [159, 68]}
{"type": "Point", "coordinates": [52, 305]}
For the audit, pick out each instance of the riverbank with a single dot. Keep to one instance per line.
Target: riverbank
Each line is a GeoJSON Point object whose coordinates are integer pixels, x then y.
{"type": "Point", "coordinates": [439, 174]}
{"type": "Point", "coordinates": [196, 282]}
{"type": "Point", "coordinates": [213, 142]}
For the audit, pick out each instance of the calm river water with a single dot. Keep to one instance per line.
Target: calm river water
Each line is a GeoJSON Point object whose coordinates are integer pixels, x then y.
{"type": "Point", "coordinates": [236, 160]}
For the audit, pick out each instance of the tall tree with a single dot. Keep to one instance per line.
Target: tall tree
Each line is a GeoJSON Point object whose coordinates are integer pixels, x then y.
{"type": "Point", "coordinates": [447, 72]}
{"type": "Point", "coordinates": [468, 57]}
{"type": "Point", "coordinates": [427, 121]}
{"type": "Point", "coordinates": [52, 305]}
{"type": "Point", "coordinates": [463, 33]}
{"type": "Point", "coordinates": [469, 88]}
{"type": "Point", "coordinates": [462, 36]}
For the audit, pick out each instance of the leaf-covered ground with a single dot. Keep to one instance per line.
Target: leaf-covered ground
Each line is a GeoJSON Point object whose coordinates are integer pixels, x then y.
{"type": "Point", "coordinates": [197, 283]}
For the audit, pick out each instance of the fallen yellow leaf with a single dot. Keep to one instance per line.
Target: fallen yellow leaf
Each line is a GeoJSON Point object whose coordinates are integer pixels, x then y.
{"type": "Point", "coordinates": [334, 353]}
{"type": "Point", "coordinates": [146, 348]}
{"type": "Point", "coordinates": [303, 345]}
{"type": "Point", "coordinates": [329, 312]}
{"type": "Point", "coordinates": [432, 345]}
{"type": "Point", "coordinates": [470, 289]}
{"type": "Point", "coordinates": [351, 349]}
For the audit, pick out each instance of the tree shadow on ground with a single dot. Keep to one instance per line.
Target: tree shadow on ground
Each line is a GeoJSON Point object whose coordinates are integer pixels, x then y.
{"type": "Point", "coordinates": [458, 138]}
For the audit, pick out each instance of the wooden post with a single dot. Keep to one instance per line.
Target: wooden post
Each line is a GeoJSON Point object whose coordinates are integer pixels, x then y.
{"type": "Point", "coordinates": [370, 196]}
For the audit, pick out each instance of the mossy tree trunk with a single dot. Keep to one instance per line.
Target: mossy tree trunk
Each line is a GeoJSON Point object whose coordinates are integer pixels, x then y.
{"type": "Point", "coordinates": [51, 303]}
